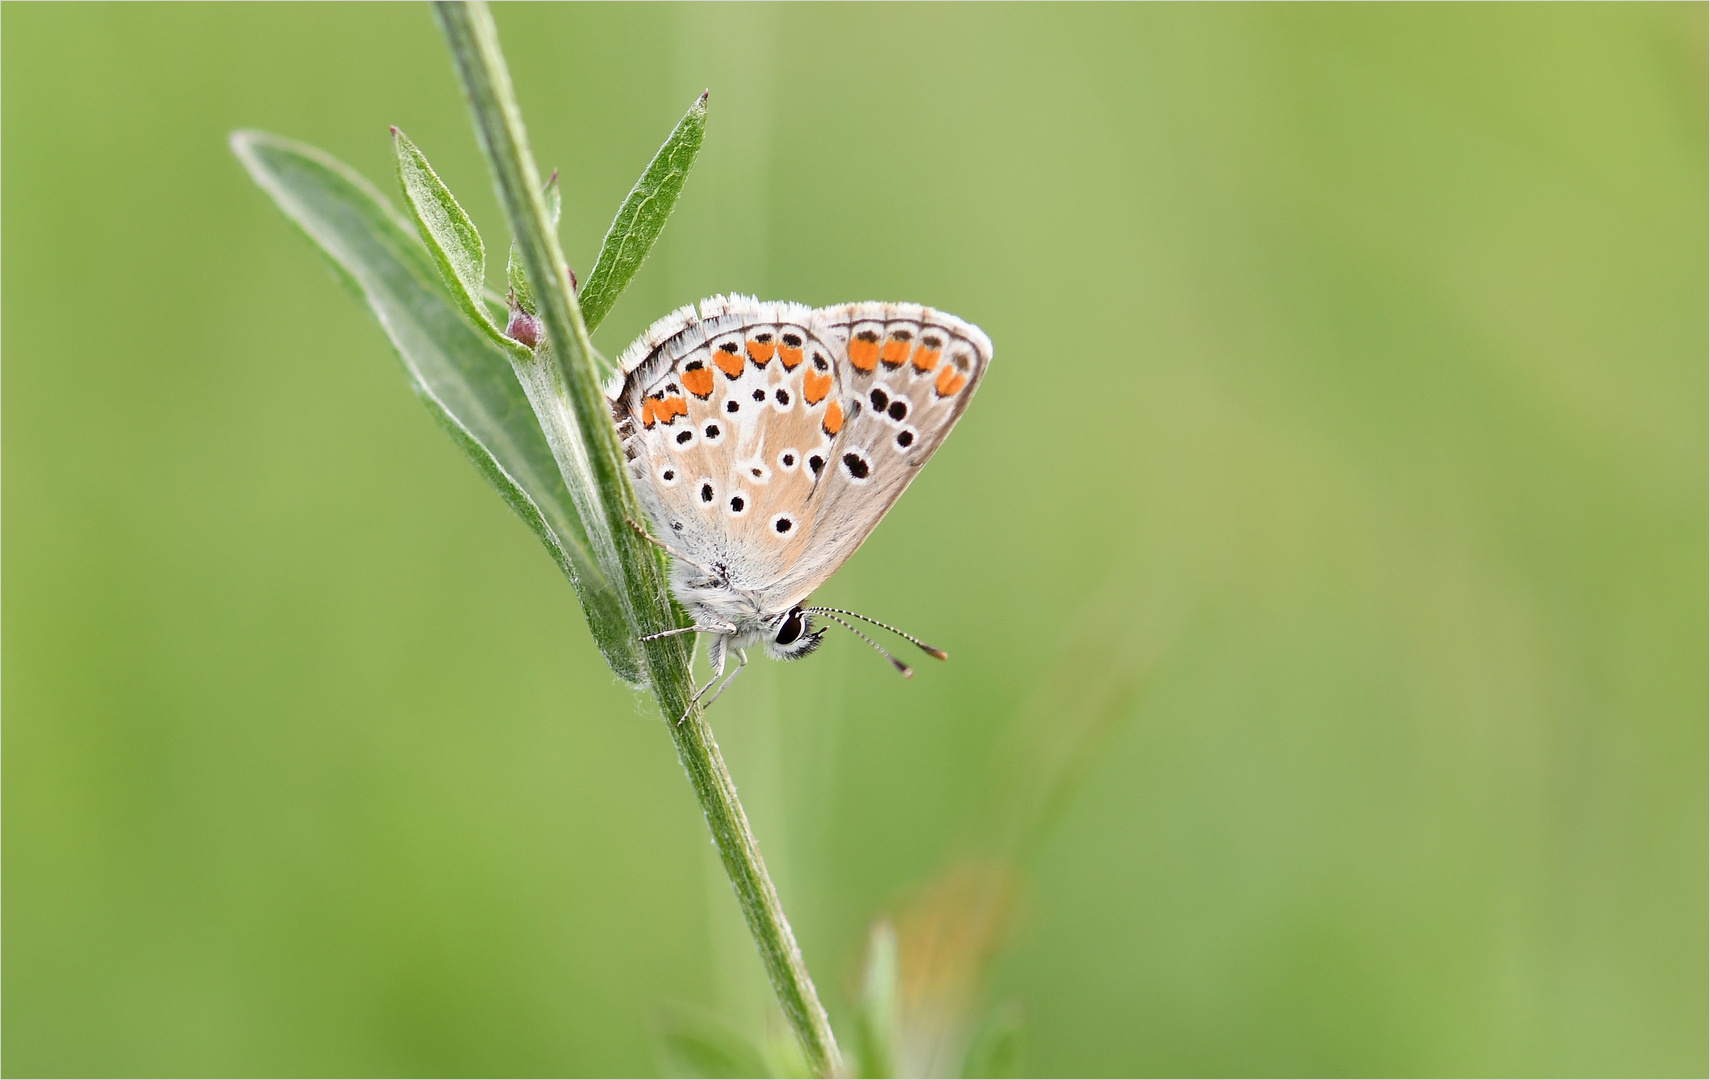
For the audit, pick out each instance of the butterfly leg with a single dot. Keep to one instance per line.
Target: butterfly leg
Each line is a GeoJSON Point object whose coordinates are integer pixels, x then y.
{"type": "Point", "coordinates": [673, 552]}
{"type": "Point", "coordinates": [719, 652]}
{"type": "Point", "coordinates": [741, 662]}
{"type": "Point", "coordinates": [716, 659]}
{"type": "Point", "coordinates": [726, 629]}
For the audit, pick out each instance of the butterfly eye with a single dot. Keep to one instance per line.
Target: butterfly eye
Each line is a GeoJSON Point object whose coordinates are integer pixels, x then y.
{"type": "Point", "coordinates": [792, 628]}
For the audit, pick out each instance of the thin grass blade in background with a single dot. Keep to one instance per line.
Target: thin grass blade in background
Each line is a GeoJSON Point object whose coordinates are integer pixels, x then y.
{"type": "Point", "coordinates": [876, 1020]}
{"type": "Point", "coordinates": [464, 378]}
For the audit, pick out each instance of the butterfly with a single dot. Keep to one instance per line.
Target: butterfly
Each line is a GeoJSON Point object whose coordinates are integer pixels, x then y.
{"type": "Point", "coordinates": [766, 440]}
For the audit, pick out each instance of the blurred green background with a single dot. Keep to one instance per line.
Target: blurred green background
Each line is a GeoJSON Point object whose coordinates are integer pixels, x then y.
{"type": "Point", "coordinates": [1349, 394]}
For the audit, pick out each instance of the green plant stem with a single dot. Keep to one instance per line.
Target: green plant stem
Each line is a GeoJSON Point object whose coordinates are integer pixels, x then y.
{"type": "Point", "coordinates": [584, 430]}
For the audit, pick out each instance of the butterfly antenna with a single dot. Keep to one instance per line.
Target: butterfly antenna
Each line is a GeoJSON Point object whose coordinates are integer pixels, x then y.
{"type": "Point", "coordinates": [907, 672]}
{"type": "Point", "coordinates": [939, 653]}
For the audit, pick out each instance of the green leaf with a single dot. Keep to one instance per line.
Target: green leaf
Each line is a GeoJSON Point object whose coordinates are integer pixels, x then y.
{"type": "Point", "coordinates": [876, 1023]}
{"type": "Point", "coordinates": [697, 1044]}
{"type": "Point", "coordinates": [513, 268]}
{"type": "Point", "coordinates": [642, 216]}
{"type": "Point", "coordinates": [464, 377]}
{"type": "Point", "coordinates": [445, 228]}
{"type": "Point", "coordinates": [997, 1047]}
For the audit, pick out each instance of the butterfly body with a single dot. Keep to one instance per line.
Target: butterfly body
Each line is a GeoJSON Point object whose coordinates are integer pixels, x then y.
{"type": "Point", "coordinates": [766, 440]}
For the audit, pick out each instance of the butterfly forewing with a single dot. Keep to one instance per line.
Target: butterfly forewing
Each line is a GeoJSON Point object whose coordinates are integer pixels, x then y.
{"type": "Point", "coordinates": [906, 373]}
{"type": "Point", "coordinates": [766, 440]}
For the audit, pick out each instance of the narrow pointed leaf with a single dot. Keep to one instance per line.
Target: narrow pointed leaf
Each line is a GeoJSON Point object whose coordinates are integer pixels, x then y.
{"type": "Point", "coordinates": [464, 378]}
{"type": "Point", "coordinates": [642, 216]}
{"type": "Point", "coordinates": [445, 229]}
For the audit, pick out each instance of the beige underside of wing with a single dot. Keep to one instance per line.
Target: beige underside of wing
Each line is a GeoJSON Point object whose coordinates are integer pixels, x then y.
{"type": "Point", "coordinates": [724, 419]}
{"type": "Point", "coordinates": [928, 361]}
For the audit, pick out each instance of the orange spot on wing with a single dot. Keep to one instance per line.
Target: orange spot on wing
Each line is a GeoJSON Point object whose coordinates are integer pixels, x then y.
{"type": "Point", "coordinates": [729, 363]}
{"type": "Point", "coordinates": [761, 352]}
{"type": "Point", "coordinates": [671, 408]}
{"type": "Point", "coordinates": [894, 352]}
{"type": "Point", "coordinates": [833, 422]}
{"type": "Point", "coordinates": [790, 357]}
{"type": "Point", "coordinates": [864, 354]}
{"type": "Point", "coordinates": [815, 386]}
{"type": "Point", "coordinates": [950, 380]}
{"type": "Point", "coordinates": [698, 382]}
{"type": "Point", "coordinates": [647, 411]}
{"type": "Point", "coordinates": [925, 359]}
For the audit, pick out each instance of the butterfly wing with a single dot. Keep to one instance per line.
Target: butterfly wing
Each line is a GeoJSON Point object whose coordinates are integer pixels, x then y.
{"type": "Point", "coordinates": [904, 374]}
{"type": "Point", "coordinates": [766, 440]}
{"type": "Point", "coordinates": [728, 415]}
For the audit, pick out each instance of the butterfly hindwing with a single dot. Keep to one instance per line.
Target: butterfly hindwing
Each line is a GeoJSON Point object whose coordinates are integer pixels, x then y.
{"type": "Point", "coordinates": [724, 416]}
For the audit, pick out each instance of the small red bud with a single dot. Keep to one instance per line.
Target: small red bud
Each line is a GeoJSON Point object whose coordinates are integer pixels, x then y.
{"type": "Point", "coordinates": [523, 327]}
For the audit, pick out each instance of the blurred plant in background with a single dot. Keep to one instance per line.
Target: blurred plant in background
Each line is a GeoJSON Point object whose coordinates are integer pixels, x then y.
{"type": "Point", "coordinates": [922, 1005]}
